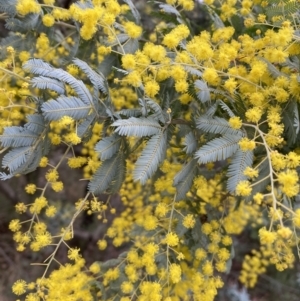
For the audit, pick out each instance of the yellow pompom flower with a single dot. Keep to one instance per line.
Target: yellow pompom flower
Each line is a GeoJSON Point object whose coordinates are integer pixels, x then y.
{"type": "Point", "coordinates": [43, 162]}
{"type": "Point", "coordinates": [57, 186]}
{"type": "Point", "coordinates": [150, 222]}
{"type": "Point", "coordinates": [30, 188]}
{"type": "Point", "coordinates": [51, 211]}
{"type": "Point", "coordinates": [189, 221]}
{"type": "Point", "coordinates": [266, 237]}
{"type": "Point", "coordinates": [25, 7]}
{"type": "Point", "coordinates": [19, 287]}
{"type": "Point", "coordinates": [14, 225]}
{"type": "Point", "coordinates": [246, 144]}
{"type": "Point", "coordinates": [48, 20]}
{"type": "Point", "coordinates": [51, 175]}
{"type": "Point", "coordinates": [128, 61]}
{"type": "Point", "coordinates": [175, 273]}
{"type": "Point", "coordinates": [151, 88]}
{"type": "Point", "coordinates": [172, 239]}
{"type": "Point", "coordinates": [126, 287]}
{"type": "Point", "coordinates": [254, 114]}
{"type": "Point", "coordinates": [102, 244]}
{"type": "Point", "coordinates": [235, 122]}
{"type": "Point", "coordinates": [211, 76]}
{"type": "Point", "coordinates": [134, 31]}
{"type": "Point", "coordinates": [243, 188]}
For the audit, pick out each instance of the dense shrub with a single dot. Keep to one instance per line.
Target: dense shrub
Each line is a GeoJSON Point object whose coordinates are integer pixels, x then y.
{"type": "Point", "coordinates": [197, 132]}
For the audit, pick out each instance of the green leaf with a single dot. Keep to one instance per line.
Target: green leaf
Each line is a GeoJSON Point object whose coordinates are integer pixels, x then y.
{"type": "Point", "coordinates": [157, 110]}
{"type": "Point", "coordinates": [236, 168]}
{"type": "Point", "coordinates": [152, 155]}
{"type": "Point", "coordinates": [65, 106]}
{"type": "Point", "coordinates": [98, 80]}
{"type": "Point", "coordinates": [291, 122]}
{"type": "Point", "coordinates": [104, 175]}
{"type": "Point", "coordinates": [36, 123]}
{"type": "Point", "coordinates": [184, 179]}
{"type": "Point", "coordinates": [226, 108]}
{"type": "Point", "coordinates": [139, 127]}
{"type": "Point", "coordinates": [203, 93]}
{"type": "Point", "coordinates": [190, 143]}
{"type": "Point", "coordinates": [108, 146]}
{"type": "Point", "coordinates": [43, 82]}
{"type": "Point", "coordinates": [39, 67]}
{"type": "Point", "coordinates": [216, 125]}
{"type": "Point", "coordinates": [218, 149]}
{"type": "Point", "coordinates": [15, 136]}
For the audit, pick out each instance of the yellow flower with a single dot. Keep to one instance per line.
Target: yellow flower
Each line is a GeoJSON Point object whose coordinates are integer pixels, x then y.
{"type": "Point", "coordinates": [266, 237]}
{"type": "Point", "coordinates": [200, 254]}
{"type": "Point", "coordinates": [128, 61]}
{"type": "Point", "coordinates": [57, 186]}
{"type": "Point", "coordinates": [250, 172]}
{"type": "Point", "coordinates": [246, 144]}
{"type": "Point", "coordinates": [43, 162]}
{"type": "Point", "coordinates": [19, 287]}
{"type": "Point", "coordinates": [254, 114]}
{"type": "Point", "coordinates": [150, 222]}
{"type": "Point", "coordinates": [189, 221]}
{"type": "Point", "coordinates": [25, 7]}
{"type": "Point", "coordinates": [211, 76]}
{"type": "Point", "coordinates": [126, 287]}
{"type": "Point", "coordinates": [102, 244]}
{"type": "Point", "coordinates": [51, 175]}
{"type": "Point", "coordinates": [235, 122]}
{"type": "Point", "coordinates": [134, 31]}
{"type": "Point", "coordinates": [74, 254]}
{"type": "Point", "coordinates": [14, 225]}
{"type": "Point", "coordinates": [51, 211]}
{"type": "Point", "coordinates": [175, 273]}
{"type": "Point", "coordinates": [207, 269]}
{"type": "Point", "coordinates": [21, 208]}
{"type": "Point", "coordinates": [30, 188]}
{"type": "Point", "coordinates": [151, 88]}
{"type": "Point", "coordinates": [172, 239]}
{"type": "Point", "coordinates": [48, 20]}
{"type": "Point", "coordinates": [243, 188]}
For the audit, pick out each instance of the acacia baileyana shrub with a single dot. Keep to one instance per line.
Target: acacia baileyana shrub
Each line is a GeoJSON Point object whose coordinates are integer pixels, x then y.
{"type": "Point", "coordinates": [198, 132]}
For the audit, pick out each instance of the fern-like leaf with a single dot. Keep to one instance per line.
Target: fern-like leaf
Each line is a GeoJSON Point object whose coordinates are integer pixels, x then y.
{"type": "Point", "coordinates": [203, 92]}
{"type": "Point", "coordinates": [36, 123]}
{"type": "Point", "coordinates": [27, 23]}
{"type": "Point", "coordinates": [134, 11]}
{"type": "Point", "coordinates": [104, 175]}
{"type": "Point", "coordinates": [84, 128]}
{"type": "Point", "coordinates": [65, 106]}
{"type": "Point", "coordinates": [226, 108]}
{"type": "Point", "coordinates": [139, 127]}
{"type": "Point", "coordinates": [291, 122]}
{"type": "Point", "coordinates": [152, 155]}
{"type": "Point", "coordinates": [43, 82]}
{"type": "Point", "coordinates": [130, 112]}
{"type": "Point", "coordinates": [184, 179]}
{"type": "Point", "coordinates": [218, 149]}
{"type": "Point", "coordinates": [119, 177]}
{"type": "Point", "coordinates": [190, 143]}
{"type": "Point", "coordinates": [157, 110]}
{"type": "Point", "coordinates": [108, 146]}
{"type": "Point", "coordinates": [39, 67]}
{"type": "Point", "coordinates": [238, 164]}
{"type": "Point", "coordinates": [98, 80]}
{"type": "Point", "coordinates": [15, 136]}
{"type": "Point", "coordinates": [15, 158]}
{"type": "Point", "coordinates": [8, 7]}
{"type": "Point", "coordinates": [216, 125]}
